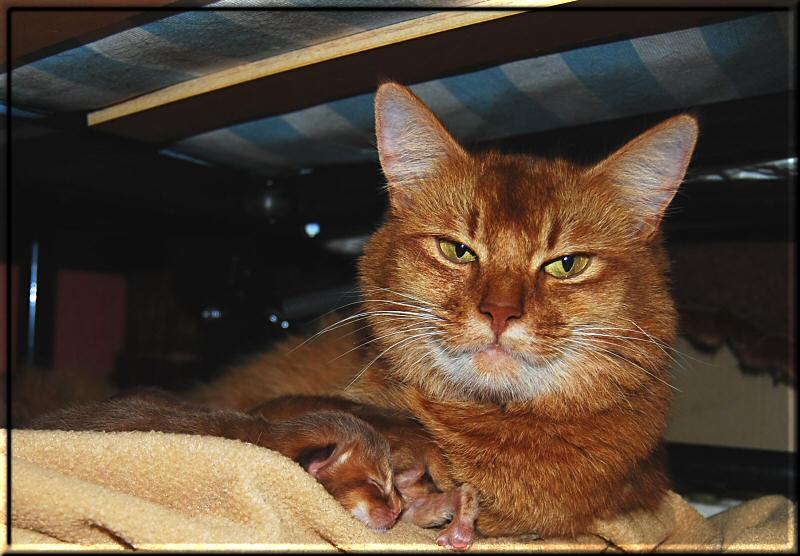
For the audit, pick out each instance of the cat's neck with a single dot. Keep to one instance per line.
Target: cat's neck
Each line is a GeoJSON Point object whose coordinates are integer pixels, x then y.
{"type": "Point", "coordinates": [378, 386]}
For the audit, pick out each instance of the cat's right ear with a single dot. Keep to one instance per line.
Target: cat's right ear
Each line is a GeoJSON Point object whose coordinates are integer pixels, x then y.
{"type": "Point", "coordinates": [412, 142]}
{"type": "Point", "coordinates": [648, 170]}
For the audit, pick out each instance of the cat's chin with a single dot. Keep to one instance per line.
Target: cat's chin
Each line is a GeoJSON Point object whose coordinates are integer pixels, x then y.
{"type": "Point", "coordinates": [494, 360]}
{"type": "Point", "coordinates": [499, 374]}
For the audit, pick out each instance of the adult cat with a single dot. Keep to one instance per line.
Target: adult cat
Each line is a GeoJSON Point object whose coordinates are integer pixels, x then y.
{"type": "Point", "coordinates": [519, 308]}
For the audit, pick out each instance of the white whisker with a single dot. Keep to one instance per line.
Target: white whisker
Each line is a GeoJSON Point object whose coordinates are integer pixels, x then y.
{"type": "Point", "coordinates": [404, 340]}
{"type": "Point", "coordinates": [365, 314]}
{"type": "Point", "coordinates": [396, 332]}
{"type": "Point", "coordinates": [407, 296]}
{"type": "Point", "coordinates": [591, 345]}
{"type": "Point", "coordinates": [382, 321]}
{"type": "Point", "coordinates": [618, 337]}
{"type": "Point", "coordinates": [660, 343]}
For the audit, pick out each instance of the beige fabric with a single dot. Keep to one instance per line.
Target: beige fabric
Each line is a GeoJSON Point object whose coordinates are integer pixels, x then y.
{"type": "Point", "coordinates": [159, 491]}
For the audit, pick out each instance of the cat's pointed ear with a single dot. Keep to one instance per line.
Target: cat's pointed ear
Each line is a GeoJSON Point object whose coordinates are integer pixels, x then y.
{"type": "Point", "coordinates": [412, 142]}
{"type": "Point", "coordinates": [649, 169]}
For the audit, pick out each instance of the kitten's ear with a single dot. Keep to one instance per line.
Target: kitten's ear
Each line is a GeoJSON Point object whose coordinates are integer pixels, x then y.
{"type": "Point", "coordinates": [649, 169]}
{"type": "Point", "coordinates": [412, 142]}
{"type": "Point", "coordinates": [316, 459]}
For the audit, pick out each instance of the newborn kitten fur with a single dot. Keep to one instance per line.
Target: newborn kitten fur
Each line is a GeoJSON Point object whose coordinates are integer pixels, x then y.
{"type": "Point", "coordinates": [419, 469]}
{"type": "Point", "coordinates": [519, 309]}
{"type": "Point", "coordinates": [341, 451]}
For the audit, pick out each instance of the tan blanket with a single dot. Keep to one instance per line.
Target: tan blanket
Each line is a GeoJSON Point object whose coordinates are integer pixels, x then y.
{"type": "Point", "coordinates": [159, 491]}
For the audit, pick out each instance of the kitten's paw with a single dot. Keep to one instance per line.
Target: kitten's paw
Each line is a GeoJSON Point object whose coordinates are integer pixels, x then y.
{"type": "Point", "coordinates": [457, 536]}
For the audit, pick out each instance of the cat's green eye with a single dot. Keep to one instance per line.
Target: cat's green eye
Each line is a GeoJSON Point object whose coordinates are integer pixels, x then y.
{"type": "Point", "coordinates": [456, 252]}
{"type": "Point", "coordinates": [567, 266]}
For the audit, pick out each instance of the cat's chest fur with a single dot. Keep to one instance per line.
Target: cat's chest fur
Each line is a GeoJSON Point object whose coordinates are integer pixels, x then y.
{"type": "Point", "coordinates": [537, 473]}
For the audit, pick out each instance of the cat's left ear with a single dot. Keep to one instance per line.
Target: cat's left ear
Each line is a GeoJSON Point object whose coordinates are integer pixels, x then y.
{"type": "Point", "coordinates": [649, 169]}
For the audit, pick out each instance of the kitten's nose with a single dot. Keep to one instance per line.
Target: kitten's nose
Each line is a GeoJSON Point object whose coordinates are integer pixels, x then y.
{"type": "Point", "coordinates": [396, 507]}
{"type": "Point", "coordinates": [500, 315]}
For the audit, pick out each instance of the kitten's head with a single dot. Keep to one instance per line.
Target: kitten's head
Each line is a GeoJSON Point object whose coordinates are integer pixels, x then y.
{"type": "Point", "coordinates": [507, 277]}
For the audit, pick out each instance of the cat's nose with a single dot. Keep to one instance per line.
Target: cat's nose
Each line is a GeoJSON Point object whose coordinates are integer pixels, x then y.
{"type": "Point", "coordinates": [500, 315]}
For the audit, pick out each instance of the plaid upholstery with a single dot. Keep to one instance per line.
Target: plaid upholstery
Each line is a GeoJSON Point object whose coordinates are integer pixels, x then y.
{"type": "Point", "coordinates": [740, 58]}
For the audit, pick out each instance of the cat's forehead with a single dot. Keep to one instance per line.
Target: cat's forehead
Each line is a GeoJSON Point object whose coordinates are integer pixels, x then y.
{"type": "Point", "coordinates": [524, 198]}
{"type": "Point", "coordinates": [525, 181]}
{"type": "Point", "coordinates": [518, 205]}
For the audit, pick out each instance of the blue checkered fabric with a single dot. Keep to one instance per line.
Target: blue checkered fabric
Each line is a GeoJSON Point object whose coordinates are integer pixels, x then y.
{"type": "Point", "coordinates": [740, 58]}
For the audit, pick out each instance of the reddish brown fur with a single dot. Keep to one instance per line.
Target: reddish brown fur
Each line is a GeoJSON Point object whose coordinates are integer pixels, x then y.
{"type": "Point", "coordinates": [420, 471]}
{"type": "Point", "coordinates": [412, 448]}
{"type": "Point", "coordinates": [340, 450]}
{"type": "Point", "coordinates": [554, 434]}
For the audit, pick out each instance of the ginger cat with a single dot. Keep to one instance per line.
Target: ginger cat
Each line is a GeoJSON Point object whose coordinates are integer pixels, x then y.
{"type": "Point", "coordinates": [519, 308]}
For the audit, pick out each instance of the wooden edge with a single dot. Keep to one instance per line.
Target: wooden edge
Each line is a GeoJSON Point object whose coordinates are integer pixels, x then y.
{"type": "Point", "coordinates": [343, 46]}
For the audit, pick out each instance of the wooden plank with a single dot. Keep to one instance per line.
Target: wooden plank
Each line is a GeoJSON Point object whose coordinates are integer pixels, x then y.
{"type": "Point", "coordinates": [451, 52]}
{"type": "Point", "coordinates": [315, 54]}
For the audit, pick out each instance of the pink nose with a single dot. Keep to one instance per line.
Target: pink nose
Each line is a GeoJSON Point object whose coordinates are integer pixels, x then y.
{"type": "Point", "coordinates": [500, 315]}
{"type": "Point", "coordinates": [384, 518]}
{"type": "Point", "coordinates": [397, 508]}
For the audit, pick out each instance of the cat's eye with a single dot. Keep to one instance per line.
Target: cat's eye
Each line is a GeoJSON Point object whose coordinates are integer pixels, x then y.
{"type": "Point", "coordinates": [375, 484]}
{"type": "Point", "coordinates": [456, 252]}
{"type": "Point", "coordinates": [567, 266]}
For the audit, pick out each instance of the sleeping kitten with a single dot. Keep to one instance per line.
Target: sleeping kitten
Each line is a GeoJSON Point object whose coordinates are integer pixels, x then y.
{"type": "Point", "coordinates": [519, 308]}
{"type": "Point", "coordinates": [345, 454]}
{"type": "Point", "coordinates": [430, 499]}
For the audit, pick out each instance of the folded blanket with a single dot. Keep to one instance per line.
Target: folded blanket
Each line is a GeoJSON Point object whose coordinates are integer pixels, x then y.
{"type": "Point", "coordinates": [154, 490]}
